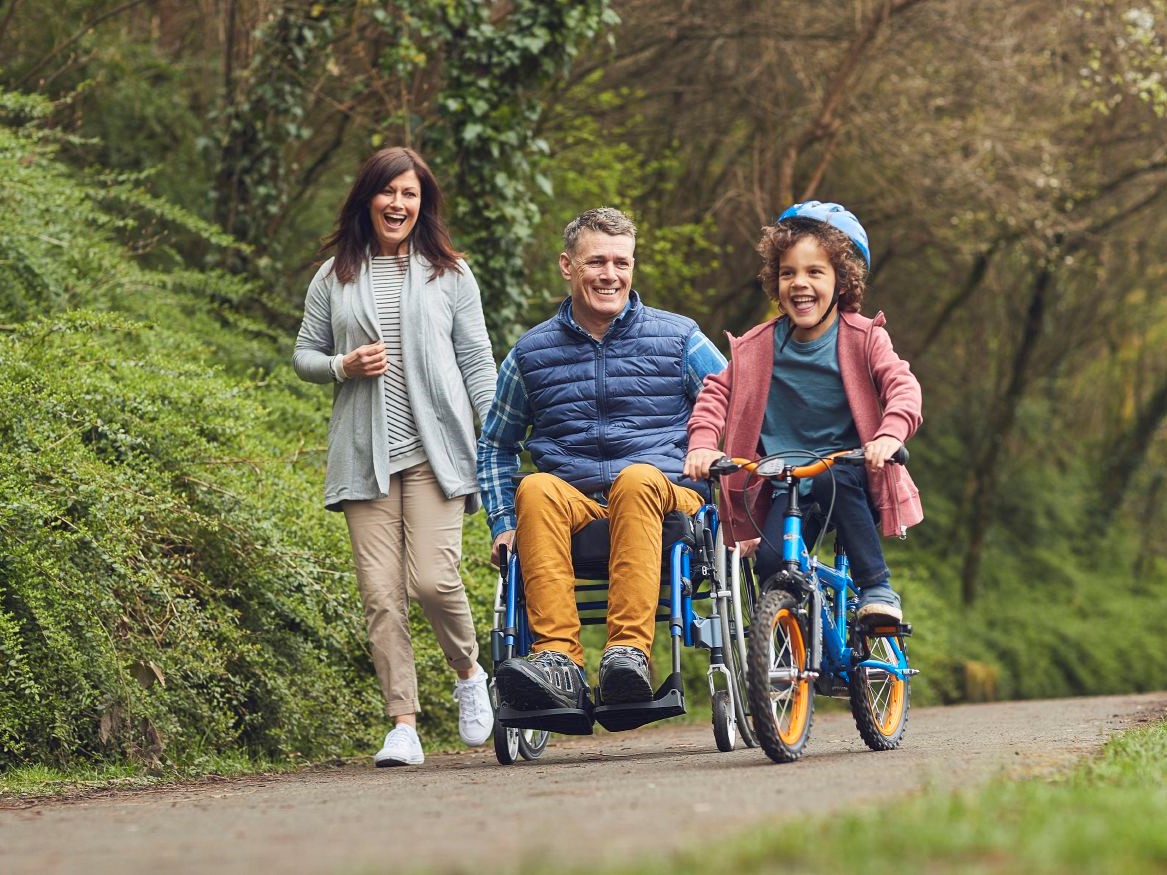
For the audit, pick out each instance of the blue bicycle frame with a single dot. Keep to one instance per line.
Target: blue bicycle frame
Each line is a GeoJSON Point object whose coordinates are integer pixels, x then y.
{"type": "Point", "coordinates": [830, 587]}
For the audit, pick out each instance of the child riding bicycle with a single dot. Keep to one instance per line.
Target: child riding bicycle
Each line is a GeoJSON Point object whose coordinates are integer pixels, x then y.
{"type": "Point", "coordinates": [817, 378]}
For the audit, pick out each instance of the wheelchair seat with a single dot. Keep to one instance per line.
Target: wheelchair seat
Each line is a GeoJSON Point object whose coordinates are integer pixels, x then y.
{"type": "Point", "coordinates": [591, 545]}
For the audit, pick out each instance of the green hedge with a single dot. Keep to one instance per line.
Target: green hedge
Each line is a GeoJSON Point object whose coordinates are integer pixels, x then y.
{"type": "Point", "coordinates": [170, 585]}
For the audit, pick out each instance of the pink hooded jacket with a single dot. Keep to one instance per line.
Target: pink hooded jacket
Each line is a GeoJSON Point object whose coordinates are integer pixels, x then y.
{"type": "Point", "coordinates": [883, 394]}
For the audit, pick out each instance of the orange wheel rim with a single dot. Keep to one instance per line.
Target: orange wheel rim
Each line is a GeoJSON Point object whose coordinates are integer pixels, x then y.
{"type": "Point", "coordinates": [886, 695]}
{"type": "Point", "coordinates": [789, 688]}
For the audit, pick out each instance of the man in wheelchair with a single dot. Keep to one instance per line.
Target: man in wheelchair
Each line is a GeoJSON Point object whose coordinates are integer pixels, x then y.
{"type": "Point", "coordinates": [600, 396]}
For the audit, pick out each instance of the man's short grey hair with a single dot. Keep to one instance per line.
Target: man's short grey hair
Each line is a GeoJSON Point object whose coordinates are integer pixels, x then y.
{"type": "Point", "coordinates": [606, 220]}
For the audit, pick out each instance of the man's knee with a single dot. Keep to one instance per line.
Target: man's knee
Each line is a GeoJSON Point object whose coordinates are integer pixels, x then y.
{"type": "Point", "coordinates": [636, 480]}
{"type": "Point", "coordinates": [534, 490]}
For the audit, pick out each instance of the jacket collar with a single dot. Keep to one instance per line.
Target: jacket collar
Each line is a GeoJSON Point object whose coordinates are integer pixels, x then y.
{"type": "Point", "coordinates": [619, 324]}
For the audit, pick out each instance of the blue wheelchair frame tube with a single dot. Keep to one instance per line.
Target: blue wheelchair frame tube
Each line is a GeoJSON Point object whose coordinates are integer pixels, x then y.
{"type": "Point", "coordinates": [681, 604]}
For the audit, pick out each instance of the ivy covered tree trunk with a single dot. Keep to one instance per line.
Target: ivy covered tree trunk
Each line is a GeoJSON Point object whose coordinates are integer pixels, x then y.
{"type": "Point", "coordinates": [504, 58]}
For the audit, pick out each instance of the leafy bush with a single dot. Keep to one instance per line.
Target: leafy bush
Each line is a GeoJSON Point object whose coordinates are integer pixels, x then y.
{"type": "Point", "coordinates": [170, 585]}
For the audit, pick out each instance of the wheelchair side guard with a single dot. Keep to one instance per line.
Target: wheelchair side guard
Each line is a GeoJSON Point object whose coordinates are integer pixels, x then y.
{"type": "Point", "coordinates": [669, 701]}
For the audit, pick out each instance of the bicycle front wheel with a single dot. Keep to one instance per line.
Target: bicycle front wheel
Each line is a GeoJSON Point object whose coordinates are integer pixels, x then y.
{"type": "Point", "coordinates": [781, 694]}
{"type": "Point", "coordinates": [879, 699]}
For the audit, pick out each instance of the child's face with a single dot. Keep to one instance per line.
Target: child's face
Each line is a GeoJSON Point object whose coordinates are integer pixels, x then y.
{"type": "Point", "coordinates": [806, 285]}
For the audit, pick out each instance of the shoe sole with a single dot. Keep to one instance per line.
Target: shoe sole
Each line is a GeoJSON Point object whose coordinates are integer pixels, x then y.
{"type": "Point", "coordinates": [389, 762]}
{"type": "Point", "coordinates": [625, 688]}
{"type": "Point", "coordinates": [879, 614]}
{"type": "Point", "coordinates": [471, 743]}
{"type": "Point", "coordinates": [525, 693]}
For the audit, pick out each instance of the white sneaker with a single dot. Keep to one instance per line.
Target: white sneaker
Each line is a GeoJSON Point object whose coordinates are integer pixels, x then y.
{"type": "Point", "coordinates": [402, 748]}
{"type": "Point", "coordinates": [475, 716]}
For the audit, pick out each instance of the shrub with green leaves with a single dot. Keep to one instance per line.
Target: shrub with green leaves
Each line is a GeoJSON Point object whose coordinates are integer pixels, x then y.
{"type": "Point", "coordinates": [170, 585]}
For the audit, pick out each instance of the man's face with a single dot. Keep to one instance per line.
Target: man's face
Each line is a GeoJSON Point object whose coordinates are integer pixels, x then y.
{"type": "Point", "coordinates": [600, 273]}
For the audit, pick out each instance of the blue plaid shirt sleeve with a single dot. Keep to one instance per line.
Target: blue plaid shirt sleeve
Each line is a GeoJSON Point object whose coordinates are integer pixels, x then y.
{"type": "Point", "coordinates": [502, 435]}
{"type": "Point", "coordinates": [702, 358]}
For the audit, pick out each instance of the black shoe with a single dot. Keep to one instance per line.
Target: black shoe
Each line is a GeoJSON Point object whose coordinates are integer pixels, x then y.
{"type": "Point", "coordinates": [543, 680]}
{"type": "Point", "coordinates": [624, 676]}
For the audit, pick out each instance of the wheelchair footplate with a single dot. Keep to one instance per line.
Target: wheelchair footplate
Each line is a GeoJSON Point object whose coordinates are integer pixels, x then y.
{"type": "Point", "coordinates": [565, 721]}
{"type": "Point", "coordinates": [669, 701]}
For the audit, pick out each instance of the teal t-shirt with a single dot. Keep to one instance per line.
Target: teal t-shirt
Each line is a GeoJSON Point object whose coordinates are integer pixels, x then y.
{"type": "Point", "coordinates": [807, 408]}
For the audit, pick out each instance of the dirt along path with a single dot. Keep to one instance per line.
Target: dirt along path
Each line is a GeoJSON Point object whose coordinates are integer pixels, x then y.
{"type": "Point", "coordinates": [597, 799]}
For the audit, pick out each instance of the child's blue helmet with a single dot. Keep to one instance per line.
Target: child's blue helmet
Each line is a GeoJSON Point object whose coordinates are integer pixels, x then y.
{"type": "Point", "coordinates": [835, 215]}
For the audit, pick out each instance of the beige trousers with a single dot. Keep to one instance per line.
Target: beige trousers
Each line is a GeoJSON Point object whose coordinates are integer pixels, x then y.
{"type": "Point", "coordinates": [407, 546]}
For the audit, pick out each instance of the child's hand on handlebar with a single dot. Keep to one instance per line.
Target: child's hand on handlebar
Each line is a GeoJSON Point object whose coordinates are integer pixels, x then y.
{"type": "Point", "coordinates": [878, 451]}
{"type": "Point", "coordinates": [698, 461]}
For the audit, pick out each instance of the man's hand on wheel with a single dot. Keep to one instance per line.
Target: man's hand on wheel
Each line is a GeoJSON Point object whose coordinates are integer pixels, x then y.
{"type": "Point", "coordinates": [507, 538]}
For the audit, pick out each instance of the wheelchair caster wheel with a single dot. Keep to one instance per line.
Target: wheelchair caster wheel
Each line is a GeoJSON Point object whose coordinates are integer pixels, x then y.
{"type": "Point", "coordinates": [724, 723]}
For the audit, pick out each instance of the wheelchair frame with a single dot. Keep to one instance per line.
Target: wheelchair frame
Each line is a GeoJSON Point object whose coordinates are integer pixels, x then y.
{"type": "Point", "coordinates": [694, 560]}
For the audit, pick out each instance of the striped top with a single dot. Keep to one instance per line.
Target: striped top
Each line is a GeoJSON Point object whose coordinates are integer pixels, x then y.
{"type": "Point", "coordinates": [405, 449]}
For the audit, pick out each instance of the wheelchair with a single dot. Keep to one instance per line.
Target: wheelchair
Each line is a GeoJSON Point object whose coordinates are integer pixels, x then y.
{"type": "Point", "coordinates": [707, 597]}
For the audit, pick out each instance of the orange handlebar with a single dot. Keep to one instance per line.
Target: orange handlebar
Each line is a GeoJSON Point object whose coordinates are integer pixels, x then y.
{"type": "Point", "coordinates": [800, 471]}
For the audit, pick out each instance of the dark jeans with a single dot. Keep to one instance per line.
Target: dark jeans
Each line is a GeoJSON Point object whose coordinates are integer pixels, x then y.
{"type": "Point", "coordinates": [854, 518]}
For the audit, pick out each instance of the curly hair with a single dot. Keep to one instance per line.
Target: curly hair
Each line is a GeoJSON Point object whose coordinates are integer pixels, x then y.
{"type": "Point", "coordinates": [850, 268]}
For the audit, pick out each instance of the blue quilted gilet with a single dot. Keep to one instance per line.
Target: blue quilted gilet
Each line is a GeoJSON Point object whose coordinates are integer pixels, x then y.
{"type": "Point", "coordinates": [601, 406]}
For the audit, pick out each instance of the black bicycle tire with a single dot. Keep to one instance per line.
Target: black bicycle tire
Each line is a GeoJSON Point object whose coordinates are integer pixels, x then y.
{"type": "Point", "coordinates": [770, 606]}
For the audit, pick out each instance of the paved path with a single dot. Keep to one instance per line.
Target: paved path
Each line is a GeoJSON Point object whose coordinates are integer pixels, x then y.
{"type": "Point", "coordinates": [594, 800]}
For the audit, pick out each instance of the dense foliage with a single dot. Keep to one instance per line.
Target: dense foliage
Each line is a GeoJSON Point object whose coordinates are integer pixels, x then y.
{"type": "Point", "coordinates": [169, 585]}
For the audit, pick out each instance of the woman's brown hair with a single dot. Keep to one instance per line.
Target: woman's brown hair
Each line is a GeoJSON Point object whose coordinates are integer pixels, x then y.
{"type": "Point", "coordinates": [850, 268]}
{"type": "Point", "coordinates": [354, 238]}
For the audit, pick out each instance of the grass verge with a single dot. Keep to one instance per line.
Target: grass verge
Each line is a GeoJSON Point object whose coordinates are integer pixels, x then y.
{"type": "Point", "coordinates": [1105, 816]}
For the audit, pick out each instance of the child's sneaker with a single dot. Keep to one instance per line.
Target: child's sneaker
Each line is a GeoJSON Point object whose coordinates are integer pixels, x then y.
{"type": "Point", "coordinates": [475, 716]}
{"type": "Point", "coordinates": [879, 604]}
{"type": "Point", "coordinates": [402, 748]}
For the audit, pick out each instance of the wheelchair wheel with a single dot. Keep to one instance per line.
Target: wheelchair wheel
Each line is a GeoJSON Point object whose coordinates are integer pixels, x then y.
{"type": "Point", "coordinates": [781, 695]}
{"type": "Point", "coordinates": [880, 700]}
{"type": "Point", "coordinates": [532, 743]}
{"type": "Point", "coordinates": [506, 744]}
{"type": "Point", "coordinates": [736, 612]}
{"type": "Point", "coordinates": [724, 722]}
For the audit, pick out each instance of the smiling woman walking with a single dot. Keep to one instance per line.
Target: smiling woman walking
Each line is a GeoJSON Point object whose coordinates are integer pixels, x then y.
{"type": "Point", "coordinates": [395, 322]}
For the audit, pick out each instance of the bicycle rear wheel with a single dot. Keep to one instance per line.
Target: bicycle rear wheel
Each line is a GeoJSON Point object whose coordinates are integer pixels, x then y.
{"type": "Point", "coordinates": [880, 700]}
{"type": "Point", "coordinates": [781, 695]}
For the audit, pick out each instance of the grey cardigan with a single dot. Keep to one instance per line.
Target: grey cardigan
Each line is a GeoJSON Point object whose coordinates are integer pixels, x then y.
{"type": "Point", "coordinates": [448, 367]}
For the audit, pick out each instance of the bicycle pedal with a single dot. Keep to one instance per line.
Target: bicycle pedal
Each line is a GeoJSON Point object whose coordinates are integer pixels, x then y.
{"type": "Point", "coordinates": [889, 630]}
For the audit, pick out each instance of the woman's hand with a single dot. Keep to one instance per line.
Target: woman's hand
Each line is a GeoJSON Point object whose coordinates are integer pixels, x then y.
{"type": "Point", "coordinates": [698, 461]}
{"type": "Point", "coordinates": [878, 451]}
{"type": "Point", "coordinates": [366, 361]}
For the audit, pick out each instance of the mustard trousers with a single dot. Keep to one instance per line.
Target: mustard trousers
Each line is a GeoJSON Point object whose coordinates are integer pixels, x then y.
{"type": "Point", "coordinates": [551, 510]}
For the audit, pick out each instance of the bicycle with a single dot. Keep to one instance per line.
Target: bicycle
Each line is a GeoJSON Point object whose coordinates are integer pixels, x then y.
{"type": "Point", "coordinates": [802, 639]}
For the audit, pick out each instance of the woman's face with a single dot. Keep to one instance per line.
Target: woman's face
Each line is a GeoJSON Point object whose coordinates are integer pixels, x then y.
{"type": "Point", "coordinates": [393, 212]}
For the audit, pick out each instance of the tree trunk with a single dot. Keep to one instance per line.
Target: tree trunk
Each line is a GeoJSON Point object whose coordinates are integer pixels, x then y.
{"type": "Point", "coordinates": [1001, 420]}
